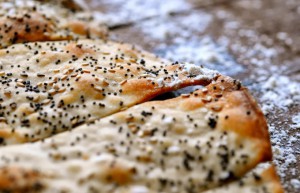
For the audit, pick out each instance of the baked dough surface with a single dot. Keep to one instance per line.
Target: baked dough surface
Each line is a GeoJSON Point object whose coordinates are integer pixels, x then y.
{"type": "Point", "coordinates": [192, 143]}
{"type": "Point", "coordinates": [50, 87]}
{"type": "Point", "coordinates": [258, 180]}
{"type": "Point", "coordinates": [31, 21]}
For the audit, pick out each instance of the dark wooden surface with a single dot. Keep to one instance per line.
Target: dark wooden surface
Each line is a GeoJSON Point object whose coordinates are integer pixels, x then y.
{"type": "Point", "coordinates": [256, 41]}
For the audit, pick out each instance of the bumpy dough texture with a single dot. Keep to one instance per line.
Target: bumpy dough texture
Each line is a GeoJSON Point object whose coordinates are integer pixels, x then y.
{"type": "Point", "coordinates": [50, 87]}
{"type": "Point", "coordinates": [257, 181]}
{"type": "Point", "coordinates": [192, 143]}
{"type": "Point", "coordinates": [31, 21]}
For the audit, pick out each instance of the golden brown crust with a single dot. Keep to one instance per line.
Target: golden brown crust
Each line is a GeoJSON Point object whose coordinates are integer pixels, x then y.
{"type": "Point", "coordinates": [17, 180]}
{"type": "Point", "coordinates": [240, 113]}
{"type": "Point", "coordinates": [12, 137]}
{"type": "Point", "coordinates": [271, 177]}
{"type": "Point", "coordinates": [149, 90]}
{"type": "Point", "coordinates": [70, 4]}
{"type": "Point", "coordinates": [117, 173]}
{"type": "Point", "coordinates": [36, 21]}
{"type": "Point", "coordinates": [16, 30]}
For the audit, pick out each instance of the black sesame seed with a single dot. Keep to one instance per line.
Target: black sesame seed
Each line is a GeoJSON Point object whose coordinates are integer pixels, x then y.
{"type": "Point", "coordinates": [212, 123]}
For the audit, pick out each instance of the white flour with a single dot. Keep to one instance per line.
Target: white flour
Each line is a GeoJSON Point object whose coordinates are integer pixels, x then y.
{"type": "Point", "coordinates": [279, 92]}
{"type": "Point", "coordinates": [205, 52]}
{"type": "Point", "coordinates": [168, 26]}
{"type": "Point", "coordinates": [120, 11]}
{"type": "Point", "coordinates": [188, 47]}
{"type": "Point", "coordinates": [296, 121]}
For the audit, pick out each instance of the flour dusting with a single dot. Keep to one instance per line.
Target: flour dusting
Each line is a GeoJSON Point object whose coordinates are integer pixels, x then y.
{"type": "Point", "coordinates": [205, 52]}
{"type": "Point", "coordinates": [296, 121]}
{"type": "Point", "coordinates": [122, 12]}
{"type": "Point", "coordinates": [279, 92]}
{"type": "Point", "coordinates": [166, 26]}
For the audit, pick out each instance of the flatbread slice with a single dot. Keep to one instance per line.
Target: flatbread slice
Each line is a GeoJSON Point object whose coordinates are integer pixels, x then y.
{"type": "Point", "coordinates": [31, 21]}
{"type": "Point", "coordinates": [191, 143]}
{"type": "Point", "coordinates": [50, 87]}
{"type": "Point", "coordinates": [261, 181]}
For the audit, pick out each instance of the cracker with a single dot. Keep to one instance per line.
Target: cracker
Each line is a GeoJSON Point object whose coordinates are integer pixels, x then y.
{"type": "Point", "coordinates": [50, 87]}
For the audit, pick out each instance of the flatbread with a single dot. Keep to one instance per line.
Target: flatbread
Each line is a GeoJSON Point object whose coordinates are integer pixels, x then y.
{"type": "Point", "coordinates": [31, 21]}
{"type": "Point", "coordinates": [50, 87]}
{"type": "Point", "coordinates": [261, 181]}
{"type": "Point", "coordinates": [192, 143]}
